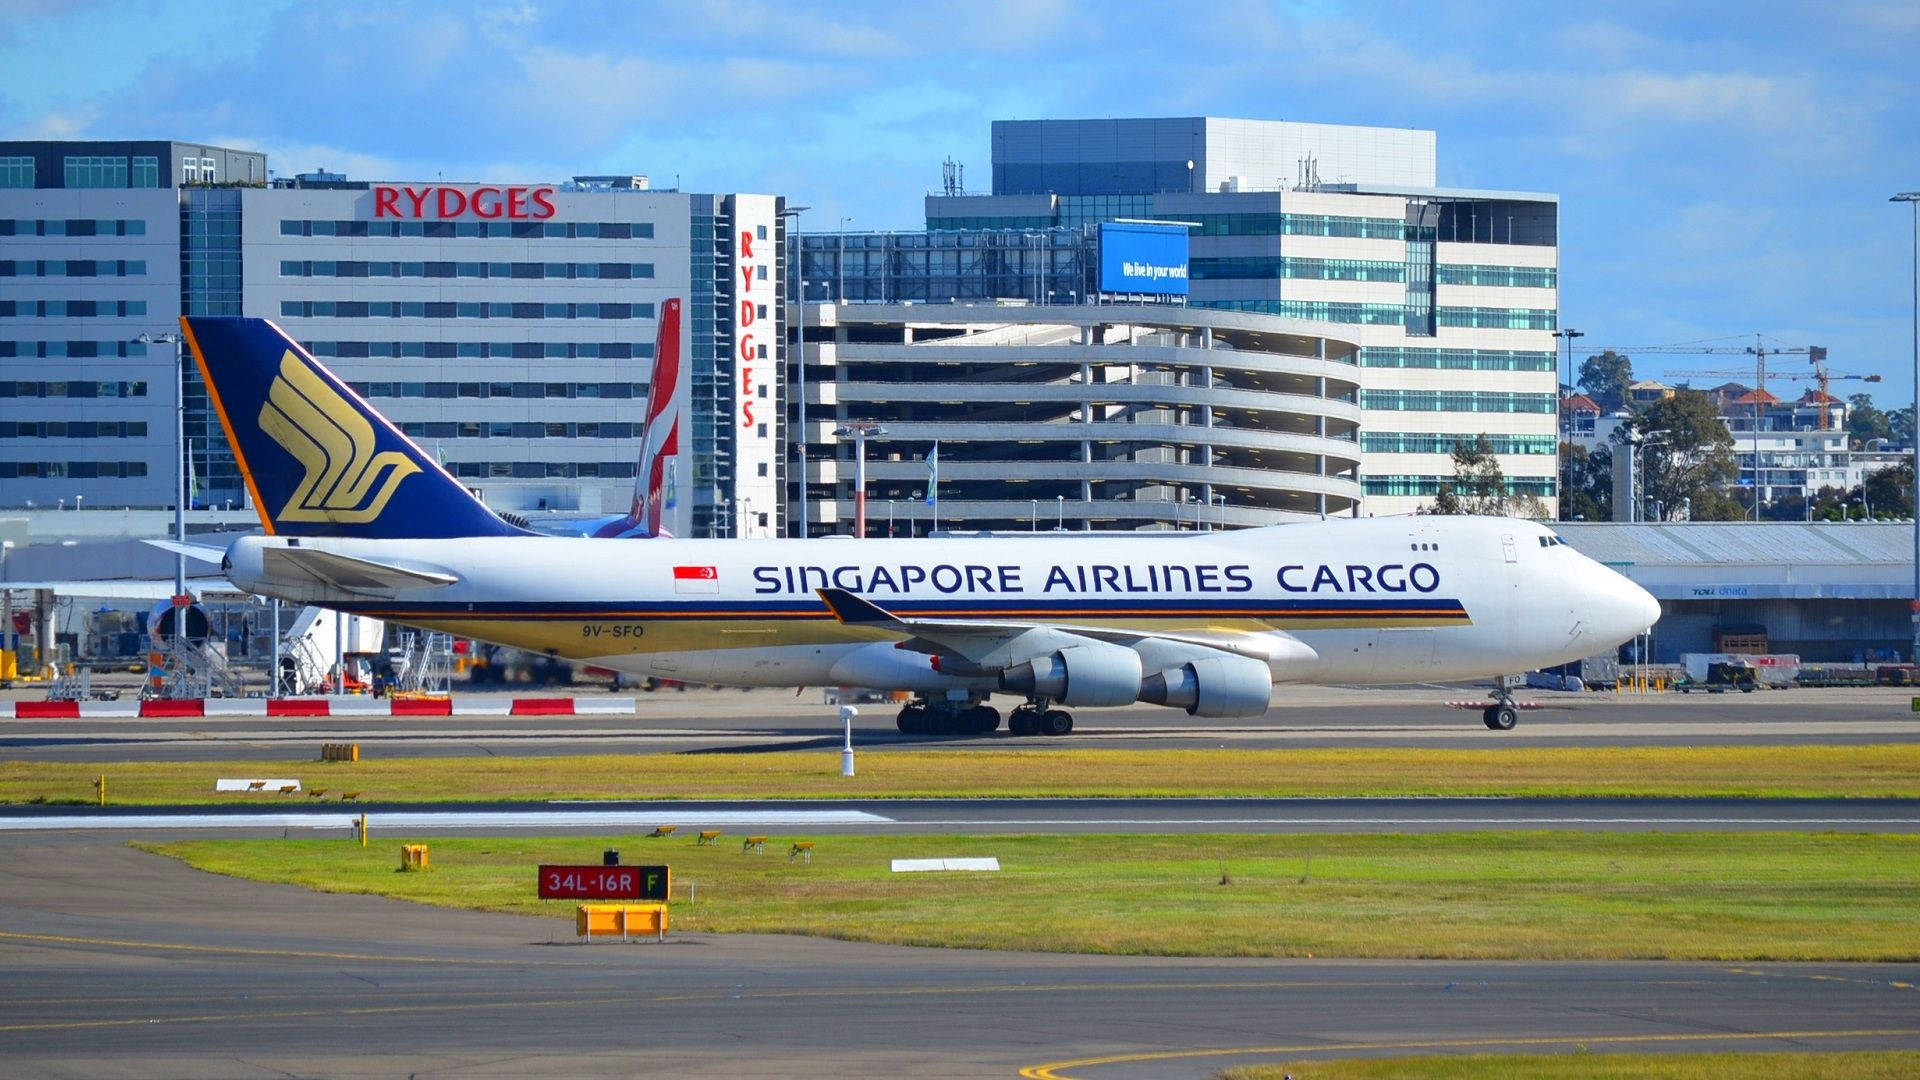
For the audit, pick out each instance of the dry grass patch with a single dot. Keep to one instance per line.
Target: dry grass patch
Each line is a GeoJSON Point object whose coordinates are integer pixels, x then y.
{"type": "Point", "coordinates": [1891, 770]}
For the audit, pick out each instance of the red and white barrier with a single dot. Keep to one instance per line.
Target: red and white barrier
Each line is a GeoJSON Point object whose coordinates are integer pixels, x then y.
{"type": "Point", "coordinates": [316, 706]}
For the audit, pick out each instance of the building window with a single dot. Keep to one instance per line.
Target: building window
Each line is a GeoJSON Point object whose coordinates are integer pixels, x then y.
{"type": "Point", "coordinates": [1480, 401]}
{"type": "Point", "coordinates": [1542, 487]}
{"type": "Point", "coordinates": [88, 171]}
{"type": "Point", "coordinates": [16, 172]}
{"type": "Point", "coordinates": [1422, 442]}
{"type": "Point", "coordinates": [206, 170]}
{"type": "Point", "coordinates": [146, 172]}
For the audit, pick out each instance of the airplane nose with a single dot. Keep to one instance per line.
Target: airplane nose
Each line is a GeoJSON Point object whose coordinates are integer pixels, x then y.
{"type": "Point", "coordinates": [1646, 608]}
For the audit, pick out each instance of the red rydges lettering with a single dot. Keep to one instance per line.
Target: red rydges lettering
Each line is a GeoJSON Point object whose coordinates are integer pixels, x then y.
{"type": "Point", "coordinates": [748, 353]}
{"type": "Point", "coordinates": [516, 203]}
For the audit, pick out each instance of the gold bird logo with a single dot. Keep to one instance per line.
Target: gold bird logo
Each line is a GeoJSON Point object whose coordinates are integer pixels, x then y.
{"type": "Point", "coordinates": [345, 480]}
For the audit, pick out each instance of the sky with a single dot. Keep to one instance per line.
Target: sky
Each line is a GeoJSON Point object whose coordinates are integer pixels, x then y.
{"type": "Point", "coordinates": [1724, 168]}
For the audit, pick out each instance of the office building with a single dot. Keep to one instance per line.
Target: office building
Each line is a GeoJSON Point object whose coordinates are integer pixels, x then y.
{"type": "Point", "coordinates": [509, 328]}
{"type": "Point", "coordinates": [1451, 293]}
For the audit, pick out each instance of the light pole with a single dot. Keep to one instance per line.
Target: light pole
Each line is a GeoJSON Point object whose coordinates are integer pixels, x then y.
{"type": "Point", "coordinates": [1036, 515]}
{"type": "Point", "coordinates": [1220, 513]}
{"type": "Point", "coordinates": [1912, 199]}
{"type": "Point", "coordinates": [797, 267]}
{"type": "Point", "coordinates": [860, 430]}
{"type": "Point", "coordinates": [179, 456]}
{"type": "Point", "coordinates": [1635, 482]}
{"type": "Point", "coordinates": [1567, 336]}
{"type": "Point", "coordinates": [841, 293]}
{"type": "Point", "coordinates": [1060, 513]}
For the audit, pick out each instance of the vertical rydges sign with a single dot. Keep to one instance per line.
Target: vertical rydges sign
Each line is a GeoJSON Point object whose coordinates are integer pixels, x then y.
{"type": "Point", "coordinates": [756, 349]}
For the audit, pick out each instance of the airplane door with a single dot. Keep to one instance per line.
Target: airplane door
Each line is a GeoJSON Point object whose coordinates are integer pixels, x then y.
{"type": "Point", "coordinates": [1508, 548]}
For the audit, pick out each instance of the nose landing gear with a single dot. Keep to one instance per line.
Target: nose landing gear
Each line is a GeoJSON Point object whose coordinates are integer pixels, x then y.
{"type": "Point", "coordinates": [1501, 715]}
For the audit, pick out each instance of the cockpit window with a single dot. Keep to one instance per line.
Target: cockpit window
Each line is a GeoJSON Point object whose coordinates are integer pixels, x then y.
{"type": "Point", "coordinates": [1551, 540]}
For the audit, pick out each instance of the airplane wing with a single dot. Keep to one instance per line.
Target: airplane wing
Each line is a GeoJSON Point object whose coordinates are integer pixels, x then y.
{"type": "Point", "coordinates": [976, 640]}
{"type": "Point", "coordinates": [308, 566]}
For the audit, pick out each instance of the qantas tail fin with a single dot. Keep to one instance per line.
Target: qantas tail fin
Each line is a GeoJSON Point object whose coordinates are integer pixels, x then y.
{"type": "Point", "coordinates": [654, 482]}
{"type": "Point", "coordinates": [318, 460]}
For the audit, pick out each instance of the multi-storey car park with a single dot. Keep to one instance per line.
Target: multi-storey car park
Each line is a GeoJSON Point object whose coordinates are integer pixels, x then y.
{"type": "Point", "coordinates": [1082, 416]}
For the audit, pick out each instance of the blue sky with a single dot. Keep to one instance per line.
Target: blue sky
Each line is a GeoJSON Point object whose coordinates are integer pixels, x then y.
{"type": "Point", "coordinates": [1723, 168]}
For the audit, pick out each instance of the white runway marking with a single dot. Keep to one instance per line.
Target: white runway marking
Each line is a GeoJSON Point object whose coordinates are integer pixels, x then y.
{"type": "Point", "coordinates": [424, 820]}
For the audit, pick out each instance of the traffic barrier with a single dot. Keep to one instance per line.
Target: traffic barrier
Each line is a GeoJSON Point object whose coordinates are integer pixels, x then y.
{"type": "Point", "coordinates": [663, 830]}
{"type": "Point", "coordinates": [802, 849]}
{"type": "Point", "coordinates": [413, 857]}
{"type": "Point", "coordinates": [622, 919]}
{"type": "Point", "coordinates": [160, 708]}
{"type": "Point", "coordinates": [709, 836]}
{"type": "Point", "coordinates": [757, 844]}
{"type": "Point", "coordinates": [548, 706]}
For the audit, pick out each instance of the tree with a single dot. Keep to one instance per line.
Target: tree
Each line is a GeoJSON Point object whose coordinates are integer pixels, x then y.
{"type": "Point", "coordinates": [1889, 491]}
{"type": "Point", "coordinates": [1480, 487]}
{"type": "Point", "coordinates": [1900, 424]}
{"type": "Point", "coordinates": [1864, 422]}
{"type": "Point", "coordinates": [1685, 470]}
{"type": "Point", "coordinates": [1586, 483]}
{"type": "Point", "coordinates": [1605, 379]}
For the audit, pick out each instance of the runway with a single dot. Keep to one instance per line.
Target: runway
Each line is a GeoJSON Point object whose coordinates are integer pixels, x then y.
{"type": "Point", "coordinates": [909, 816]}
{"type": "Point", "coordinates": [118, 963]}
{"type": "Point", "coordinates": [754, 721]}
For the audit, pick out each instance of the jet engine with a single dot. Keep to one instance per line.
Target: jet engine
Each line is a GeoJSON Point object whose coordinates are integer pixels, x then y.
{"type": "Point", "coordinates": [1214, 686]}
{"type": "Point", "coordinates": [1096, 673]}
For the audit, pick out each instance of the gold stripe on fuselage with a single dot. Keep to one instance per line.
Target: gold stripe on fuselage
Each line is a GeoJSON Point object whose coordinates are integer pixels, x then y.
{"type": "Point", "coordinates": [575, 637]}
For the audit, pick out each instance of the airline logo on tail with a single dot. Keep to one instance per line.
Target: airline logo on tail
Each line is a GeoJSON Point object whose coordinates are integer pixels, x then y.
{"type": "Point", "coordinates": [346, 479]}
{"type": "Point", "coordinates": [660, 441]}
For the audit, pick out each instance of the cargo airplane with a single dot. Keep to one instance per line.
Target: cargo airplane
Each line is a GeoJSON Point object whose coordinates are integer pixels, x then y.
{"type": "Point", "coordinates": [358, 519]}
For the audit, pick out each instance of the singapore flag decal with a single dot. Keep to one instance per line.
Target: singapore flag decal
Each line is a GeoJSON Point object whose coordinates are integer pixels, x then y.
{"type": "Point", "coordinates": [696, 579]}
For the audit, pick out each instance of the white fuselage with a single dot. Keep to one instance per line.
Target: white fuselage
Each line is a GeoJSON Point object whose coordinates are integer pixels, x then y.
{"type": "Point", "coordinates": [1343, 601]}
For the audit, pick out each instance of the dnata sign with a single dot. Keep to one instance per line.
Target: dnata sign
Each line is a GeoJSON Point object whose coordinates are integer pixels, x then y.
{"type": "Point", "coordinates": [1143, 259]}
{"type": "Point", "coordinates": [513, 203]}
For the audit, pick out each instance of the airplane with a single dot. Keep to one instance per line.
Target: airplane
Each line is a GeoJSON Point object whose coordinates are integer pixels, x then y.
{"type": "Point", "coordinates": [359, 519]}
{"type": "Point", "coordinates": [653, 479]}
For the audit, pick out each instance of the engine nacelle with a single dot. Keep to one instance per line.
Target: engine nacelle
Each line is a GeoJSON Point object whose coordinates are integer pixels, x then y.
{"type": "Point", "coordinates": [1215, 686]}
{"type": "Point", "coordinates": [1092, 674]}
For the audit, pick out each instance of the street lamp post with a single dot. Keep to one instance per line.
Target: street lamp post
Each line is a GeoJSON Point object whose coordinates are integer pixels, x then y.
{"type": "Point", "coordinates": [1912, 199]}
{"type": "Point", "coordinates": [1060, 513]}
{"type": "Point", "coordinates": [1567, 337]}
{"type": "Point", "coordinates": [797, 267]}
{"type": "Point", "coordinates": [860, 430]}
{"type": "Point", "coordinates": [179, 456]}
{"type": "Point", "coordinates": [841, 262]}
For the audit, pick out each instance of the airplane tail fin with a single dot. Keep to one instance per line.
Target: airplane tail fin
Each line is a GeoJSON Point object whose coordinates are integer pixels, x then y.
{"type": "Point", "coordinates": [654, 482]}
{"type": "Point", "coordinates": [318, 460]}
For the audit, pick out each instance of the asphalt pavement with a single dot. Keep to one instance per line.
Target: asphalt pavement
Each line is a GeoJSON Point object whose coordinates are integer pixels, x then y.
{"type": "Point", "coordinates": [732, 721]}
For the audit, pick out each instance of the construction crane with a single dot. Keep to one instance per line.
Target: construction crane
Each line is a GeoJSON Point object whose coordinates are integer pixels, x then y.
{"type": "Point", "coordinates": [1816, 354]}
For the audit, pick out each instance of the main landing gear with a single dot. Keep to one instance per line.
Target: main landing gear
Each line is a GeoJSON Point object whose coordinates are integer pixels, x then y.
{"type": "Point", "coordinates": [1034, 718]}
{"type": "Point", "coordinates": [922, 717]}
{"type": "Point", "coordinates": [975, 718]}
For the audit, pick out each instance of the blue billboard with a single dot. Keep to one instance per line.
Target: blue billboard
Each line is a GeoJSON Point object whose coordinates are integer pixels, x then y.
{"type": "Point", "coordinates": [1143, 259]}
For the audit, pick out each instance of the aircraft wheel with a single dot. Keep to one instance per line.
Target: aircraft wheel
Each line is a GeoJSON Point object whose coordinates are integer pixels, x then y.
{"type": "Point", "coordinates": [981, 720]}
{"type": "Point", "coordinates": [1056, 722]}
{"type": "Point", "coordinates": [912, 720]}
{"type": "Point", "coordinates": [1023, 722]}
{"type": "Point", "coordinates": [1501, 717]}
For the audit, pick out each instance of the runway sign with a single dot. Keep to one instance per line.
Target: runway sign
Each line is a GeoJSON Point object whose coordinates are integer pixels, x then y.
{"type": "Point", "coordinates": [585, 882]}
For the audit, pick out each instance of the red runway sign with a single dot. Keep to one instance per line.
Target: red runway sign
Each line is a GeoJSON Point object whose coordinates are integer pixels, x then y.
{"type": "Point", "coordinates": [604, 882]}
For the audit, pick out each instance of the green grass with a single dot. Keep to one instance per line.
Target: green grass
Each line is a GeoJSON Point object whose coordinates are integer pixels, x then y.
{"type": "Point", "coordinates": [1852, 1065]}
{"type": "Point", "coordinates": [1727, 897]}
{"type": "Point", "coordinates": [1740, 771]}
